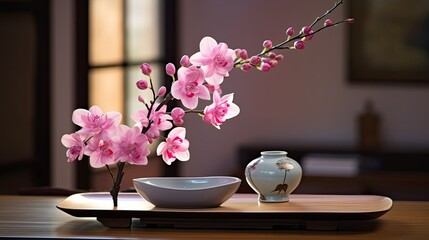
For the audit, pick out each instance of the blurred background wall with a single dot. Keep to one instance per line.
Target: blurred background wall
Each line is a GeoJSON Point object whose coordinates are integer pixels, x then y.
{"type": "Point", "coordinates": [307, 101]}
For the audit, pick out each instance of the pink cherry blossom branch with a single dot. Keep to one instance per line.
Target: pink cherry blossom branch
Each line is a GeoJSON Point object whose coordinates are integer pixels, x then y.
{"type": "Point", "coordinates": [151, 88]}
{"type": "Point", "coordinates": [168, 98]}
{"type": "Point", "coordinates": [191, 111]}
{"type": "Point", "coordinates": [327, 13]}
{"type": "Point", "coordinates": [239, 62]}
{"type": "Point", "coordinates": [302, 35]}
{"type": "Point", "coordinates": [110, 172]}
{"type": "Point", "coordinates": [281, 45]}
{"type": "Point", "coordinates": [195, 111]}
{"type": "Point", "coordinates": [145, 129]}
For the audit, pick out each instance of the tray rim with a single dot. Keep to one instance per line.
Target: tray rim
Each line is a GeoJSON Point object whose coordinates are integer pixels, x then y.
{"type": "Point", "coordinates": [209, 217]}
{"type": "Point", "coordinates": [85, 212]}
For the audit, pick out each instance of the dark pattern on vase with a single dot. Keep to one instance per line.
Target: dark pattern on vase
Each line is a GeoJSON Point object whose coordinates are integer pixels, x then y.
{"type": "Point", "coordinates": [282, 165]}
{"type": "Point", "coordinates": [252, 169]}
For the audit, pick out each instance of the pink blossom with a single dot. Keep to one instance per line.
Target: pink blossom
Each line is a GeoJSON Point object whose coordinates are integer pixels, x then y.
{"type": "Point", "coordinates": [141, 118]}
{"type": "Point", "coordinates": [175, 146]}
{"type": "Point", "coordinates": [177, 114]}
{"type": "Point", "coordinates": [213, 88]}
{"type": "Point", "coordinates": [220, 110]}
{"type": "Point", "coordinates": [184, 61]}
{"type": "Point", "coordinates": [189, 86]}
{"type": "Point", "coordinates": [170, 69]}
{"type": "Point", "coordinates": [142, 84]}
{"type": "Point", "coordinates": [158, 121]}
{"type": "Point", "coordinates": [101, 152]}
{"type": "Point", "coordinates": [130, 145]}
{"type": "Point", "coordinates": [299, 45]}
{"type": "Point", "coordinates": [215, 59]}
{"type": "Point", "coordinates": [146, 69]}
{"type": "Point", "coordinates": [75, 144]}
{"type": "Point", "coordinates": [95, 121]}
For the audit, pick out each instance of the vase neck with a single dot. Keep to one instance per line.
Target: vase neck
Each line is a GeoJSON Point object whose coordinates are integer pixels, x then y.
{"type": "Point", "coordinates": [273, 153]}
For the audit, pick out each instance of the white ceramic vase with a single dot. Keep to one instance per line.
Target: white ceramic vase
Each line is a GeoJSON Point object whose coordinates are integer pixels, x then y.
{"type": "Point", "coordinates": [273, 176]}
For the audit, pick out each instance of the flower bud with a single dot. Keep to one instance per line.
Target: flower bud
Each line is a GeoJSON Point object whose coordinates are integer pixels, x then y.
{"type": "Point", "coordinates": [146, 69]}
{"type": "Point", "coordinates": [177, 114]}
{"type": "Point", "coordinates": [351, 20]}
{"type": "Point", "coordinates": [243, 54]}
{"type": "Point", "coordinates": [273, 63]}
{"type": "Point", "coordinates": [306, 30]}
{"type": "Point", "coordinates": [267, 44]}
{"type": "Point", "coordinates": [238, 52]}
{"type": "Point", "coordinates": [161, 91]}
{"type": "Point", "coordinates": [140, 98]}
{"type": "Point", "coordinates": [328, 22]}
{"type": "Point", "coordinates": [246, 67]}
{"type": "Point", "coordinates": [290, 31]}
{"type": "Point", "coordinates": [184, 61]}
{"type": "Point", "coordinates": [255, 60]}
{"type": "Point", "coordinates": [265, 67]}
{"type": "Point", "coordinates": [299, 45]}
{"type": "Point", "coordinates": [142, 84]}
{"type": "Point", "coordinates": [309, 37]}
{"type": "Point", "coordinates": [170, 69]}
{"type": "Point", "coordinates": [279, 57]}
{"type": "Point", "coordinates": [272, 55]}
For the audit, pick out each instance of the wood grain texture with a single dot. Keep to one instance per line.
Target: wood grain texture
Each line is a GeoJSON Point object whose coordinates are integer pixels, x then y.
{"type": "Point", "coordinates": [240, 211]}
{"type": "Point", "coordinates": [239, 203]}
{"type": "Point", "coordinates": [38, 217]}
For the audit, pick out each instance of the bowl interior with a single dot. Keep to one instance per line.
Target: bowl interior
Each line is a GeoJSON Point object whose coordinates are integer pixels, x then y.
{"type": "Point", "coordinates": [188, 183]}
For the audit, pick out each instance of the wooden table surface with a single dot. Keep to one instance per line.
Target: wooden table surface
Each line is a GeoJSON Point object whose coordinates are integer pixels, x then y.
{"type": "Point", "coordinates": [38, 217]}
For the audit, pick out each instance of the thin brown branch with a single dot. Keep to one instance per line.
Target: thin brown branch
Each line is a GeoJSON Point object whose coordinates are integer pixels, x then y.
{"type": "Point", "coordinates": [300, 35]}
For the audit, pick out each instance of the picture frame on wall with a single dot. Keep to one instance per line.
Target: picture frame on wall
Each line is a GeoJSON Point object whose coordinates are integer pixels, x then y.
{"type": "Point", "coordinates": [389, 41]}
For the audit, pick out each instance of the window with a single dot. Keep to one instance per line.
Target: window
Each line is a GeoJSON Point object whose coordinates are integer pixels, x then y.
{"type": "Point", "coordinates": [114, 38]}
{"type": "Point", "coordinates": [122, 35]}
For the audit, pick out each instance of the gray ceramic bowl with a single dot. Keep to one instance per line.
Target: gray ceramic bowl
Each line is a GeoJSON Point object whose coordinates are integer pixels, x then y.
{"type": "Point", "coordinates": [187, 192]}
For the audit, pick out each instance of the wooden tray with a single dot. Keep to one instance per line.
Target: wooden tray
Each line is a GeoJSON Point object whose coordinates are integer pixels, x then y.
{"type": "Point", "coordinates": [311, 212]}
